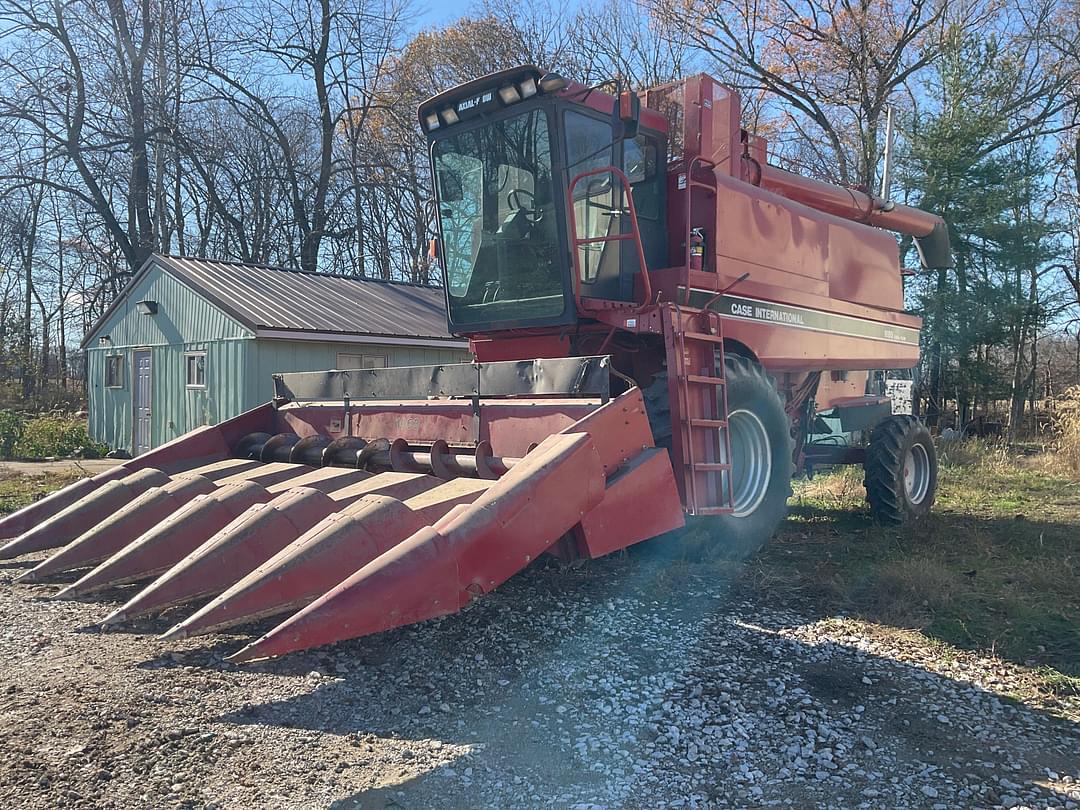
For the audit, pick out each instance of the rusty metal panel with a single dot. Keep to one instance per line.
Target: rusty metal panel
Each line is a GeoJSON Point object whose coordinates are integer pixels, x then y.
{"type": "Point", "coordinates": [404, 382]}
{"type": "Point", "coordinates": [564, 376]}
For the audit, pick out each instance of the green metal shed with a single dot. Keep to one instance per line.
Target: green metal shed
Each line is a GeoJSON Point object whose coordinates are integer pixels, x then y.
{"type": "Point", "coordinates": [191, 342]}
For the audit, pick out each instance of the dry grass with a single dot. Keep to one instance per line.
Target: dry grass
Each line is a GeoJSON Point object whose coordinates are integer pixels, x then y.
{"type": "Point", "coordinates": [995, 569]}
{"type": "Point", "coordinates": [842, 489]}
{"type": "Point", "coordinates": [17, 490]}
{"type": "Point", "coordinates": [1066, 445]}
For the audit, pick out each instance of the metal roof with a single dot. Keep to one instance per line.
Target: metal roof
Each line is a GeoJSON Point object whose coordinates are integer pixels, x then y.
{"type": "Point", "coordinates": [274, 300]}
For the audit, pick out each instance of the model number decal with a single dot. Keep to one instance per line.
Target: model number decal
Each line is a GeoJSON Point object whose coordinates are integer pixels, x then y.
{"type": "Point", "coordinates": [475, 101]}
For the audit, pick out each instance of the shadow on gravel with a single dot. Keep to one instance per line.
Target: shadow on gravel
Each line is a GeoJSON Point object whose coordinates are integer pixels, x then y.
{"type": "Point", "coordinates": [519, 676]}
{"type": "Point", "coordinates": [1005, 586]}
{"type": "Point", "coordinates": [11, 564]}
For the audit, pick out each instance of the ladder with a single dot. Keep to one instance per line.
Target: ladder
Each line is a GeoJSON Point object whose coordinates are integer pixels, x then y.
{"type": "Point", "coordinates": [699, 415]}
{"type": "Point", "coordinates": [698, 387]}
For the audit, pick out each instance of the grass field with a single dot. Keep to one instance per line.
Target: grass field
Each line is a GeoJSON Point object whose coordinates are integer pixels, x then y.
{"type": "Point", "coordinates": [994, 569]}
{"type": "Point", "coordinates": [18, 490]}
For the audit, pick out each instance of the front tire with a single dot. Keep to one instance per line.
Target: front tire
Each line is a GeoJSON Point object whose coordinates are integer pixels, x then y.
{"type": "Point", "coordinates": [761, 450]}
{"type": "Point", "coordinates": [761, 460]}
{"type": "Point", "coordinates": [901, 471]}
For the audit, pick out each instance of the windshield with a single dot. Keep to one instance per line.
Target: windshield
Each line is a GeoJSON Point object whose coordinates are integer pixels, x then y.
{"type": "Point", "coordinates": [497, 214]}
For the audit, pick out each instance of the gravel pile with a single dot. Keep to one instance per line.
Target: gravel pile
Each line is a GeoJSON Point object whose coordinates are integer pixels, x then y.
{"type": "Point", "coordinates": [625, 684]}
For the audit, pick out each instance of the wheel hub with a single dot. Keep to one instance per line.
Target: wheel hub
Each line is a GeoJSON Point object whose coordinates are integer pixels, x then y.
{"type": "Point", "coordinates": [751, 461]}
{"type": "Point", "coordinates": [916, 474]}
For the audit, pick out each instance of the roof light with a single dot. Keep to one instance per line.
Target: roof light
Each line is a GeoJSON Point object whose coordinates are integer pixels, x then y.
{"type": "Point", "coordinates": [509, 94]}
{"type": "Point", "coordinates": [528, 88]}
{"type": "Point", "coordinates": [431, 121]}
{"type": "Point", "coordinates": [449, 116]}
{"type": "Point", "coordinates": [553, 83]}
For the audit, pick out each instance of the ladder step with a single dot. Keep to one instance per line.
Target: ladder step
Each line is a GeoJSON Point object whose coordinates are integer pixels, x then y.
{"type": "Point", "coordinates": [708, 423]}
{"type": "Point", "coordinates": [703, 336]}
{"type": "Point", "coordinates": [709, 466]}
{"type": "Point", "coordinates": [705, 380]}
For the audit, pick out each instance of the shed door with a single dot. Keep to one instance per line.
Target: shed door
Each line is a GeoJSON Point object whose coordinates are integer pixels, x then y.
{"type": "Point", "coordinates": [140, 401]}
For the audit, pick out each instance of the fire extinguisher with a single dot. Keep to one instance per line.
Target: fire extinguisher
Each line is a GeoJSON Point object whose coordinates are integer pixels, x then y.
{"type": "Point", "coordinates": [697, 248]}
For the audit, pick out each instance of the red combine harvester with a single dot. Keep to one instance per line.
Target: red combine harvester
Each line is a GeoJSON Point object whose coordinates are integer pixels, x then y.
{"type": "Point", "coordinates": [659, 319]}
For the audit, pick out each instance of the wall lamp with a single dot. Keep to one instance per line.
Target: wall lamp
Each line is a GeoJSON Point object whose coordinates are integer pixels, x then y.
{"type": "Point", "coordinates": [147, 307]}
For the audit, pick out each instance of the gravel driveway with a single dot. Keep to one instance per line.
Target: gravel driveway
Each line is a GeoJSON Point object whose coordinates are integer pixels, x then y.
{"type": "Point", "coordinates": [629, 683]}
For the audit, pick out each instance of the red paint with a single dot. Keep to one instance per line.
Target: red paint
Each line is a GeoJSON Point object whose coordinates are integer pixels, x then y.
{"type": "Point", "coordinates": [186, 452]}
{"type": "Point", "coordinates": [92, 509]}
{"type": "Point", "coordinates": [124, 526]}
{"type": "Point", "coordinates": [626, 516]}
{"type": "Point", "coordinates": [253, 538]}
{"type": "Point", "coordinates": [436, 572]}
{"type": "Point", "coordinates": [345, 541]}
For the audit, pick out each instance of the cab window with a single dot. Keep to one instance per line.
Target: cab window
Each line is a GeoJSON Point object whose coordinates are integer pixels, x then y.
{"type": "Point", "coordinates": [640, 167]}
{"type": "Point", "coordinates": [496, 207]}
{"type": "Point", "coordinates": [588, 147]}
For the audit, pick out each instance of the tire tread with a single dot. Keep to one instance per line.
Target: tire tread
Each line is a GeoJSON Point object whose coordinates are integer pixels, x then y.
{"type": "Point", "coordinates": [883, 473]}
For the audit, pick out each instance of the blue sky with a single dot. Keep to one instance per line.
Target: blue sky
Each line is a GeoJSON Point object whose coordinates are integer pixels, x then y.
{"type": "Point", "coordinates": [437, 13]}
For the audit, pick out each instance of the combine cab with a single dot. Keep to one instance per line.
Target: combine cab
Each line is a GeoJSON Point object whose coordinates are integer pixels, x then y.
{"type": "Point", "coordinates": [658, 317]}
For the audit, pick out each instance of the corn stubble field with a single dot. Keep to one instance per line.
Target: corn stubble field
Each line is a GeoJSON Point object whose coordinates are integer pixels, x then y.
{"type": "Point", "coordinates": [843, 665]}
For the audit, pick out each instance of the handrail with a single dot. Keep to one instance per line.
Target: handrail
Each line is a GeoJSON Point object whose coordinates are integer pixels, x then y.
{"type": "Point", "coordinates": [694, 161]}
{"type": "Point", "coordinates": [634, 234]}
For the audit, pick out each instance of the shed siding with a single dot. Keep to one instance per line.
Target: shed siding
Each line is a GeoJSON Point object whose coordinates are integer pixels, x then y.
{"type": "Point", "coordinates": [182, 316]}
{"type": "Point", "coordinates": [239, 367]}
{"type": "Point", "coordinates": [175, 409]}
{"type": "Point", "coordinates": [184, 322]}
{"type": "Point", "coordinates": [238, 377]}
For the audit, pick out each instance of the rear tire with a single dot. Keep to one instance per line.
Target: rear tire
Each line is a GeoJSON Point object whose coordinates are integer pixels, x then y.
{"type": "Point", "coordinates": [900, 471]}
{"type": "Point", "coordinates": [761, 451]}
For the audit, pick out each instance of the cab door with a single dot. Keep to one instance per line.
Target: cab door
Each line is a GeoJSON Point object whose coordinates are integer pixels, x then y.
{"type": "Point", "coordinates": [644, 162]}
{"type": "Point", "coordinates": [607, 269]}
{"type": "Point", "coordinates": [599, 211]}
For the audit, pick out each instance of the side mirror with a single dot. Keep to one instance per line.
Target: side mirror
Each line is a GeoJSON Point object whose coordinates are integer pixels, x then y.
{"type": "Point", "coordinates": [628, 112]}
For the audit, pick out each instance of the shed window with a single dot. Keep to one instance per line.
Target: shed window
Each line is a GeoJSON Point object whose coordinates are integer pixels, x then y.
{"type": "Point", "coordinates": [114, 371]}
{"type": "Point", "coordinates": [196, 369]}
{"type": "Point", "coordinates": [350, 361]}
